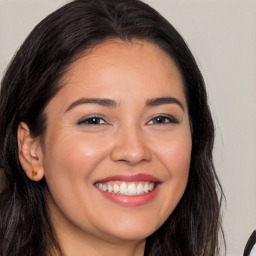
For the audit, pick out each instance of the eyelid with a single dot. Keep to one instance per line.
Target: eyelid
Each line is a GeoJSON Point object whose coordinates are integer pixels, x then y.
{"type": "Point", "coordinates": [172, 119]}
{"type": "Point", "coordinates": [83, 120]}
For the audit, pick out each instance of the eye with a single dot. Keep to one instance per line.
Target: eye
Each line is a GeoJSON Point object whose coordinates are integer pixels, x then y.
{"type": "Point", "coordinates": [163, 120]}
{"type": "Point", "coordinates": [94, 120]}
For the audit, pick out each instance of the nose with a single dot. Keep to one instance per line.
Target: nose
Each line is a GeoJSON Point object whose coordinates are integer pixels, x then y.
{"type": "Point", "coordinates": [131, 147]}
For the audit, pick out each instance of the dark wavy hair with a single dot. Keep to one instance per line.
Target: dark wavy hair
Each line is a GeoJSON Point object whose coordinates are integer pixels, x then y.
{"type": "Point", "coordinates": [33, 78]}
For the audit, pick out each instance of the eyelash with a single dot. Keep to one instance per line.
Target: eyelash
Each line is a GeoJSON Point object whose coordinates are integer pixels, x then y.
{"type": "Point", "coordinates": [96, 120]}
{"type": "Point", "coordinates": [93, 120]}
{"type": "Point", "coordinates": [168, 119]}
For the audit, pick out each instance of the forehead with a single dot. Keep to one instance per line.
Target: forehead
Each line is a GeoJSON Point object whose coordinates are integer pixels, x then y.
{"type": "Point", "coordinates": [118, 67]}
{"type": "Point", "coordinates": [114, 50]}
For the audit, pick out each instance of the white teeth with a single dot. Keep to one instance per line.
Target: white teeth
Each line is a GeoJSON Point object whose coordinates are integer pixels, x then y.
{"type": "Point", "coordinates": [102, 186]}
{"type": "Point", "coordinates": [123, 189]}
{"type": "Point", "coordinates": [132, 190]}
{"type": "Point", "coordinates": [110, 188]}
{"type": "Point", "coordinates": [127, 188]}
{"type": "Point", "coordinates": [140, 189]}
{"type": "Point", "coordinates": [146, 188]}
{"type": "Point", "coordinates": [150, 186]}
{"type": "Point", "coordinates": [116, 188]}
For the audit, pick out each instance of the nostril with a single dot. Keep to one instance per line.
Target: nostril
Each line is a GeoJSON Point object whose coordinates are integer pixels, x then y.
{"type": "Point", "coordinates": [131, 155]}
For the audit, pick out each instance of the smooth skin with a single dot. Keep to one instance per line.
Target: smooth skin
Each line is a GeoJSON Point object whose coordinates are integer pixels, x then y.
{"type": "Point", "coordinates": [123, 134]}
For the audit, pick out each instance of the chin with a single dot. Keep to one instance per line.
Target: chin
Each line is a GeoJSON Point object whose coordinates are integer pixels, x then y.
{"type": "Point", "coordinates": [133, 230]}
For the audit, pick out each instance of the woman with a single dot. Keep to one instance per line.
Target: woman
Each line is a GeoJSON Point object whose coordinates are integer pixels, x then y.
{"type": "Point", "coordinates": [106, 138]}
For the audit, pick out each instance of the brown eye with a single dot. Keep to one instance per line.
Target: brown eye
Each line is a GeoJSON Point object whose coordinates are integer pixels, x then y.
{"type": "Point", "coordinates": [163, 120]}
{"type": "Point", "coordinates": [92, 121]}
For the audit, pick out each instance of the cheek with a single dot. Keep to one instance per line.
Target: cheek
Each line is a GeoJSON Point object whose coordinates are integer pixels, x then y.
{"type": "Point", "coordinates": [74, 155]}
{"type": "Point", "coordinates": [70, 164]}
{"type": "Point", "coordinates": [175, 153]}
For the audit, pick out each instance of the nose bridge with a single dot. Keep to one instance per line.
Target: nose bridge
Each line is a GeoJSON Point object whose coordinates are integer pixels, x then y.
{"type": "Point", "coordinates": [130, 145]}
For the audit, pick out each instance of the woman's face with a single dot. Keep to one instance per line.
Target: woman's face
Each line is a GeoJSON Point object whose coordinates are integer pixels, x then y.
{"type": "Point", "coordinates": [116, 152]}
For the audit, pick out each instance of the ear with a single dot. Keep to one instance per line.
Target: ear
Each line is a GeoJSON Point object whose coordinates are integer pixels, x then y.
{"type": "Point", "coordinates": [30, 153]}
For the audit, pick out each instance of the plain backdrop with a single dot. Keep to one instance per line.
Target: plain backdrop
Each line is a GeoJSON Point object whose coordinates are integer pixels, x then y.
{"type": "Point", "coordinates": [222, 37]}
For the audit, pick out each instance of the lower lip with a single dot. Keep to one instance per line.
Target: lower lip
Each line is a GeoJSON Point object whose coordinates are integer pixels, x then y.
{"type": "Point", "coordinates": [130, 201]}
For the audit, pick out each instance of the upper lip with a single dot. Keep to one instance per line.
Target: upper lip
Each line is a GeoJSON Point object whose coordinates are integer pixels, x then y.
{"type": "Point", "coordinates": [130, 178]}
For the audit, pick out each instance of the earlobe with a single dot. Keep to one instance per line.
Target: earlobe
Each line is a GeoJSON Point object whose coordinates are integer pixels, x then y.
{"type": "Point", "coordinates": [30, 154]}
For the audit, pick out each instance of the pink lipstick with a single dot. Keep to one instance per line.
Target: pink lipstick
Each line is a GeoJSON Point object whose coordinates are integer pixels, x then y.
{"type": "Point", "coordinates": [129, 190]}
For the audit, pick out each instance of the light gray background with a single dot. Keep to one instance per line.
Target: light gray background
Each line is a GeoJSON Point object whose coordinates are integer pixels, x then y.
{"type": "Point", "coordinates": [222, 36]}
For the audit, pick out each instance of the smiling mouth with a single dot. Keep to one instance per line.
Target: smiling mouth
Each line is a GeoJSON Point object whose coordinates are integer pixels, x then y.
{"type": "Point", "coordinates": [127, 188]}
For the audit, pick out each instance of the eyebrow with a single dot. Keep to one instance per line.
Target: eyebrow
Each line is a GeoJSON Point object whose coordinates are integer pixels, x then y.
{"type": "Point", "coordinates": [162, 101]}
{"type": "Point", "coordinates": [112, 104]}
{"type": "Point", "coordinates": [99, 101]}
